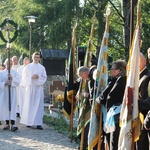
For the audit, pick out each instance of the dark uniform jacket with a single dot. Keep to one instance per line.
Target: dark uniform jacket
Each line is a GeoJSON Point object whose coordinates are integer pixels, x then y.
{"type": "Point", "coordinates": [144, 99]}
{"type": "Point", "coordinates": [114, 92]}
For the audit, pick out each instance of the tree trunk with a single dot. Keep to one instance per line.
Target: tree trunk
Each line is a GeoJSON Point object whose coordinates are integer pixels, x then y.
{"type": "Point", "coordinates": [126, 27]}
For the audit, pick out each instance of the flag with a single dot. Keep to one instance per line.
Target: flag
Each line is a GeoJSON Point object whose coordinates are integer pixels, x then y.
{"type": "Point", "coordinates": [69, 90]}
{"type": "Point", "coordinates": [85, 108]}
{"type": "Point", "coordinates": [69, 94]}
{"type": "Point", "coordinates": [84, 115]}
{"type": "Point", "coordinates": [129, 116]}
{"type": "Point", "coordinates": [83, 103]}
{"type": "Point", "coordinates": [100, 84]}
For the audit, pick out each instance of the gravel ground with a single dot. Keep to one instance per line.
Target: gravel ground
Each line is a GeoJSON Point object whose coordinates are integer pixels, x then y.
{"type": "Point", "coordinates": [34, 139]}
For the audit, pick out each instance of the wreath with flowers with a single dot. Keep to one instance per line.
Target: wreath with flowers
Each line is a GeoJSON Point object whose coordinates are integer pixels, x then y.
{"type": "Point", "coordinates": [15, 26]}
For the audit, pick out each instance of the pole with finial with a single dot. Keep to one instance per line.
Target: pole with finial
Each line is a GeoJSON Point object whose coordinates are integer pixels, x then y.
{"type": "Point", "coordinates": [8, 26]}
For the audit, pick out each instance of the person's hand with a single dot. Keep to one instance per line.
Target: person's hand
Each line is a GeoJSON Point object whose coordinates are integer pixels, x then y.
{"type": "Point", "coordinates": [86, 95]}
{"type": "Point", "coordinates": [10, 76]}
{"type": "Point", "coordinates": [35, 76]}
{"type": "Point", "coordinates": [77, 97]}
{"type": "Point", "coordinates": [8, 82]}
{"type": "Point", "coordinates": [99, 98]}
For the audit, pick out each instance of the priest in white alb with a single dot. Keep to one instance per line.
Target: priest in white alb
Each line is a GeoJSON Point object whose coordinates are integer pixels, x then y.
{"type": "Point", "coordinates": [33, 78]}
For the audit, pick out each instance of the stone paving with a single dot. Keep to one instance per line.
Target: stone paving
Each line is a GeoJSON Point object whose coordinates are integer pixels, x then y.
{"type": "Point", "coordinates": [34, 139]}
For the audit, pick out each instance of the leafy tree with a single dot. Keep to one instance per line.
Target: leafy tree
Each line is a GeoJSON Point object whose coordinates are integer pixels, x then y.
{"type": "Point", "coordinates": [145, 31]}
{"type": "Point", "coordinates": [56, 18]}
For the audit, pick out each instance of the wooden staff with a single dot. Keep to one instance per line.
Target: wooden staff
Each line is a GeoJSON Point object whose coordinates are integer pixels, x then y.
{"type": "Point", "coordinates": [9, 86]}
{"type": "Point", "coordinates": [88, 56]}
{"type": "Point", "coordinates": [71, 118]}
{"type": "Point", "coordinates": [8, 46]}
{"type": "Point", "coordinates": [73, 94]}
{"type": "Point", "coordinates": [82, 138]}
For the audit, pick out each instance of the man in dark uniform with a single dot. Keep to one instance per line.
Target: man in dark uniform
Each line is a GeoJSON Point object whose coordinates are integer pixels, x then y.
{"type": "Point", "coordinates": [144, 103]}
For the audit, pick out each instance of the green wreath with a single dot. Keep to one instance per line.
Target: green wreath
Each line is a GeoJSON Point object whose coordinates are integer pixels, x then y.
{"type": "Point", "coordinates": [7, 20]}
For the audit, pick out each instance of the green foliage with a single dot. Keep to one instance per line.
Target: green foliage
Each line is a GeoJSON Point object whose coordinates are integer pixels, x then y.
{"type": "Point", "coordinates": [145, 25]}
{"type": "Point", "coordinates": [56, 18]}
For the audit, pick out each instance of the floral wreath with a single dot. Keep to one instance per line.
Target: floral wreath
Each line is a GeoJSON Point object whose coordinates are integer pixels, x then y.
{"type": "Point", "coordinates": [7, 20]}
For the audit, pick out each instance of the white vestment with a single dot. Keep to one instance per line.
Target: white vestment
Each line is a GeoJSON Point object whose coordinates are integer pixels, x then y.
{"type": "Point", "coordinates": [4, 95]}
{"type": "Point", "coordinates": [15, 67]}
{"type": "Point", "coordinates": [32, 111]}
{"type": "Point", "coordinates": [21, 90]}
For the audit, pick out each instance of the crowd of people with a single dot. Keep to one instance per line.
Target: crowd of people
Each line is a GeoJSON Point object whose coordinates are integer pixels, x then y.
{"type": "Point", "coordinates": [21, 92]}
{"type": "Point", "coordinates": [22, 95]}
{"type": "Point", "coordinates": [110, 99]}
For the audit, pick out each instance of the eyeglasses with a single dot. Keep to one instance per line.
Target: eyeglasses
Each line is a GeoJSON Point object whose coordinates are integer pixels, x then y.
{"type": "Point", "coordinates": [36, 57]}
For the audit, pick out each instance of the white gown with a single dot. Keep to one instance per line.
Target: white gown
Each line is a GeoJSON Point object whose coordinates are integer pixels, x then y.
{"type": "Point", "coordinates": [21, 90]}
{"type": "Point", "coordinates": [32, 111]}
{"type": "Point", "coordinates": [15, 67]}
{"type": "Point", "coordinates": [5, 114]}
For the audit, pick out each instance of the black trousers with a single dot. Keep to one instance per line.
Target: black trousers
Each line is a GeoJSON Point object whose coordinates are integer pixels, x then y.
{"type": "Point", "coordinates": [144, 140]}
{"type": "Point", "coordinates": [112, 138]}
{"type": "Point", "coordinates": [12, 122]}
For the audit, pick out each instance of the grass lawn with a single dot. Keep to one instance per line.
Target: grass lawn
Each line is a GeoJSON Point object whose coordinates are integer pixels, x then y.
{"type": "Point", "coordinates": [61, 126]}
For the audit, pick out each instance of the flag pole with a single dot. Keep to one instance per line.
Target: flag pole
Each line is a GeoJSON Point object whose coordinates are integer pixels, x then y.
{"type": "Point", "coordinates": [138, 24]}
{"type": "Point", "coordinates": [71, 120]}
{"type": "Point", "coordinates": [131, 21]}
{"type": "Point", "coordinates": [82, 138]}
{"type": "Point", "coordinates": [88, 56]}
{"type": "Point", "coordinates": [73, 94]}
{"type": "Point", "coordinates": [9, 86]}
{"type": "Point", "coordinates": [6, 26]}
{"type": "Point", "coordinates": [8, 46]}
{"type": "Point", "coordinates": [105, 44]}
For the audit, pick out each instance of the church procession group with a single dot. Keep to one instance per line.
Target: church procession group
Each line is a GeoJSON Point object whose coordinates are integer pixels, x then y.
{"type": "Point", "coordinates": [21, 92]}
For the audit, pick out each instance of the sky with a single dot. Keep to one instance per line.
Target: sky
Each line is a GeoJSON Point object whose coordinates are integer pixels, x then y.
{"type": "Point", "coordinates": [81, 2]}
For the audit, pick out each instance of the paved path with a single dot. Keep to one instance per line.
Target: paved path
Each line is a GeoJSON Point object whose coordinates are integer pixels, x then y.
{"type": "Point", "coordinates": [34, 139]}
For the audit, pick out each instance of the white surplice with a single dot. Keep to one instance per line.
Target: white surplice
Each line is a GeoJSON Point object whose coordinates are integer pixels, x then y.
{"type": "Point", "coordinates": [32, 111]}
{"type": "Point", "coordinates": [5, 113]}
{"type": "Point", "coordinates": [21, 90]}
{"type": "Point", "coordinates": [15, 67]}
